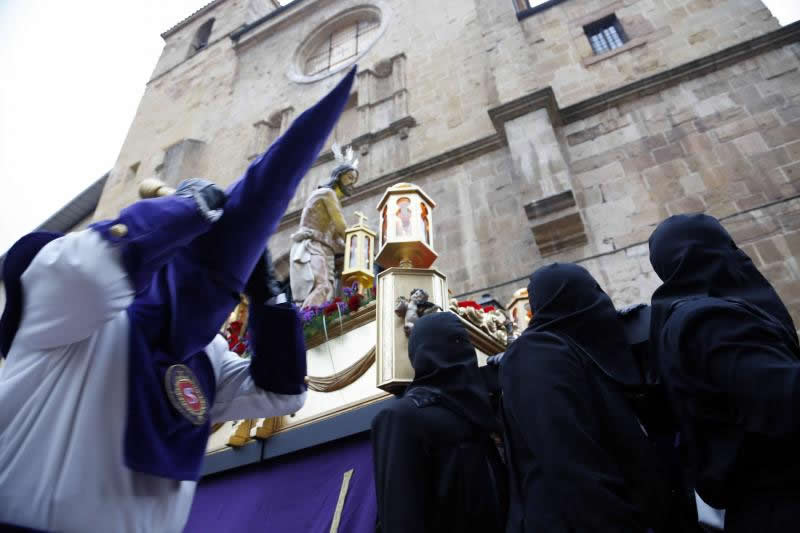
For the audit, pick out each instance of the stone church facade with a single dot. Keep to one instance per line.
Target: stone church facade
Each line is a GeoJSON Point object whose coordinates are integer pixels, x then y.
{"type": "Point", "coordinates": [561, 131]}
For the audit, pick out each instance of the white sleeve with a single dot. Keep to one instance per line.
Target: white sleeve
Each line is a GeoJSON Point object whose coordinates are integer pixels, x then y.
{"type": "Point", "coordinates": [73, 286]}
{"type": "Point", "coordinates": [237, 396]}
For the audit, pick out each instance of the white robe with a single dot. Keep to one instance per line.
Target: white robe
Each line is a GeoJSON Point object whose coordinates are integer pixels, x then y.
{"type": "Point", "coordinates": [63, 401]}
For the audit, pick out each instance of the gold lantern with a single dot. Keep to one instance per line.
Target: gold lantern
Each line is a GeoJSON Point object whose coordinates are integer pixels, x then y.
{"type": "Point", "coordinates": [520, 309]}
{"type": "Point", "coordinates": [406, 227]}
{"type": "Point", "coordinates": [358, 252]}
{"type": "Point", "coordinates": [406, 247]}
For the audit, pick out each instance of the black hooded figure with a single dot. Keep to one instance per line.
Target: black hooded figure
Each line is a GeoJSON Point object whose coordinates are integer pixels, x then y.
{"type": "Point", "coordinates": [727, 350]}
{"type": "Point", "coordinates": [580, 459]}
{"type": "Point", "coordinates": [436, 466]}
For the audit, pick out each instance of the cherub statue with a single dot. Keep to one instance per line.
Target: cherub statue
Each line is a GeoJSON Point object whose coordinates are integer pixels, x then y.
{"type": "Point", "coordinates": [321, 235]}
{"type": "Point", "coordinates": [512, 332]}
{"type": "Point", "coordinates": [411, 309]}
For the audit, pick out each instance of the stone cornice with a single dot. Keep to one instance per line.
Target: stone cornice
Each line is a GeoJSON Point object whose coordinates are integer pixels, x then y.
{"type": "Point", "coordinates": [543, 98]}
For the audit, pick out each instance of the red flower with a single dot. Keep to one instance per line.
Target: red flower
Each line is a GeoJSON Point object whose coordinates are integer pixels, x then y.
{"type": "Point", "coordinates": [331, 309]}
{"type": "Point", "coordinates": [239, 348]}
{"type": "Point", "coordinates": [354, 302]}
{"type": "Point", "coordinates": [488, 309]}
{"type": "Point", "coordinates": [233, 340]}
{"type": "Point", "coordinates": [235, 327]}
{"type": "Point", "coordinates": [469, 303]}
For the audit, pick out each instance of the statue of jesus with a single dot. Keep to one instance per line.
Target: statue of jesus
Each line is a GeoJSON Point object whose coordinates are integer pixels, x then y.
{"type": "Point", "coordinates": [321, 235]}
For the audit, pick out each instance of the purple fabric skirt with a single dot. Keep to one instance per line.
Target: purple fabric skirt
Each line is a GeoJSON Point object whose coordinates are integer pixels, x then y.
{"type": "Point", "coordinates": [296, 493]}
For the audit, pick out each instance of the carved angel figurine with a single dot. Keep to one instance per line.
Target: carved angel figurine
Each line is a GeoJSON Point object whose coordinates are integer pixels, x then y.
{"type": "Point", "coordinates": [411, 309]}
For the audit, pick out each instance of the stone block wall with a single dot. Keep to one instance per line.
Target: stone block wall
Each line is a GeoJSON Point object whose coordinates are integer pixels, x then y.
{"type": "Point", "coordinates": [726, 143]}
{"type": "Point", "coordinates": [217, 96]}
{"type": "Point", "coordinates": [461, 58]}
{"type": "Point", "coordinates": [227, 15]}
{"type": "Point", "coordinates": [722, 143]}
{"type": "Point", "coordinates": [550, 48]}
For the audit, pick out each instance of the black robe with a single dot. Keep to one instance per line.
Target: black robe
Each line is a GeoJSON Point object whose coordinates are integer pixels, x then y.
{"type": "Point", "coordinates": [728, 353]}
{"type": "Point", "coordinates": [436, 466]}
{"type": "Point", "coordinates": [581, 460]}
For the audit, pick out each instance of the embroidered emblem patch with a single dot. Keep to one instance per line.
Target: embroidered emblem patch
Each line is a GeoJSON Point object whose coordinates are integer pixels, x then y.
{"type": "Point", "coordinates": [185, 394]}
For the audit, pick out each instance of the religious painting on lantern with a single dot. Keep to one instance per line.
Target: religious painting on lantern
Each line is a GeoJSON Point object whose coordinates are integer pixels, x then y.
{"type": "Point", "coordinates": [426, 223]}
{"type": "Point", "coordinates": [403, 225]}
{"type": "Point", "coordinates": [353, 263]}
{"type": "Point", "coordinates": [368, 255]}
{"type": "Point", "coordinates": [383, 227]}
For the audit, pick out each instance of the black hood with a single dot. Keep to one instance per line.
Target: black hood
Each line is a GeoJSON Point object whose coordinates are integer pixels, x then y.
{"type": "Point", "coordinates": [695, 257]}
{"type": "Point", "coordinates": [446, 364]}
{"type": "Point", "coordinates": [567, 301]}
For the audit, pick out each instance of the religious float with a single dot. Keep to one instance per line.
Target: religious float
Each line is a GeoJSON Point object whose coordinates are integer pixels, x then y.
{"type": "Point", "coordinates": [312, 470]}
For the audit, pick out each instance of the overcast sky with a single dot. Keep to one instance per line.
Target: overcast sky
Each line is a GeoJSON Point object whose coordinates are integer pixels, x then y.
{"type": "Point", "coordinates": [71, 75]}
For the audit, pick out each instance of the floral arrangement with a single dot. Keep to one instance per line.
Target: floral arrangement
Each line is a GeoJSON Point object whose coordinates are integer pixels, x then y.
{"type": "Point", "coordinates": [476, 305]}
{"type": "Point", "coordinates": [319, 318]}
{"type": "Point", "coordinates": [237, 342]}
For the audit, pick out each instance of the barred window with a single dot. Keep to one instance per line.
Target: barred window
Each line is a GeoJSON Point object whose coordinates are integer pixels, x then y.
{"type": "Point", "coordinates": [605, 34]}
{"type": "Point", "coordinates": [527, 8]}
{"type": "Point", "coordinates": [341, 46]}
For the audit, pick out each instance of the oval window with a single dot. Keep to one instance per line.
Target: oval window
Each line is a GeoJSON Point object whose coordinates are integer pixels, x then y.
{"type": "Point", "coordinates": [338, 43]}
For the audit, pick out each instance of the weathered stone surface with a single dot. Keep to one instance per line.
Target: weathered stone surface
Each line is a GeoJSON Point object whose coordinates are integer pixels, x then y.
{"type": "Point", "coordinates": [783, 134]}
{"type": "Point", "coordinates": [768, 251]}
{"type": "Point", "coordinates": [609, 172]}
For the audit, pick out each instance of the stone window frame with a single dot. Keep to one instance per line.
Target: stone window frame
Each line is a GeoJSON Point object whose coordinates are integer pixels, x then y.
{"type": "Point", "coordinates": [360, 31]}
{"type": "Point", "coordinates": [598, 29]}
{"type": "Point", "coordinates": [323, 33]}
{"type": "Point", "coordinates": [202, 37]}
{"type": "Point", "coordinates": [525, 10]}
{"type": "Point", "coordinates": [633, 41]}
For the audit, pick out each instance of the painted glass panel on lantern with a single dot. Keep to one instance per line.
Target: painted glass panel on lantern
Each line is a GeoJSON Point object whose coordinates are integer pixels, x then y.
{"type": "Point", "coordinates": [342, 44]}
{"type": "Point", "coordinates": [367, 245]}
{"type": "Point", "coordinates": [403, 226]}
{"type": "Point", "coordinates": [426, 224]}
{"type": "Point", "coordinates": [353, 263]}
{"type": "Point", "coordinates": [383, 226]}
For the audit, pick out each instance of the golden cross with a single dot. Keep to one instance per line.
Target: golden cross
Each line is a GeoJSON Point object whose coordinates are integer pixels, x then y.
{"type": "Point", "coordinates": [361, 218]}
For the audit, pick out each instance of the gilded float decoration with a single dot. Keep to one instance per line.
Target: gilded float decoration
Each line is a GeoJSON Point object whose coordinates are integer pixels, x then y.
{"type": "Point", "coordinates": [357, 342]}
{"type": "Point", "coordinates": [358, 256]}
{"type": "Point", "coordinates": [520, 310]}
{"type": "Point", "coordinates": [406, 228]}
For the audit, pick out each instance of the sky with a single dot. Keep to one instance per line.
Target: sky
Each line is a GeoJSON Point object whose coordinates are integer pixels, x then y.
{"type": "Point", "coordinates": [73, 73]}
